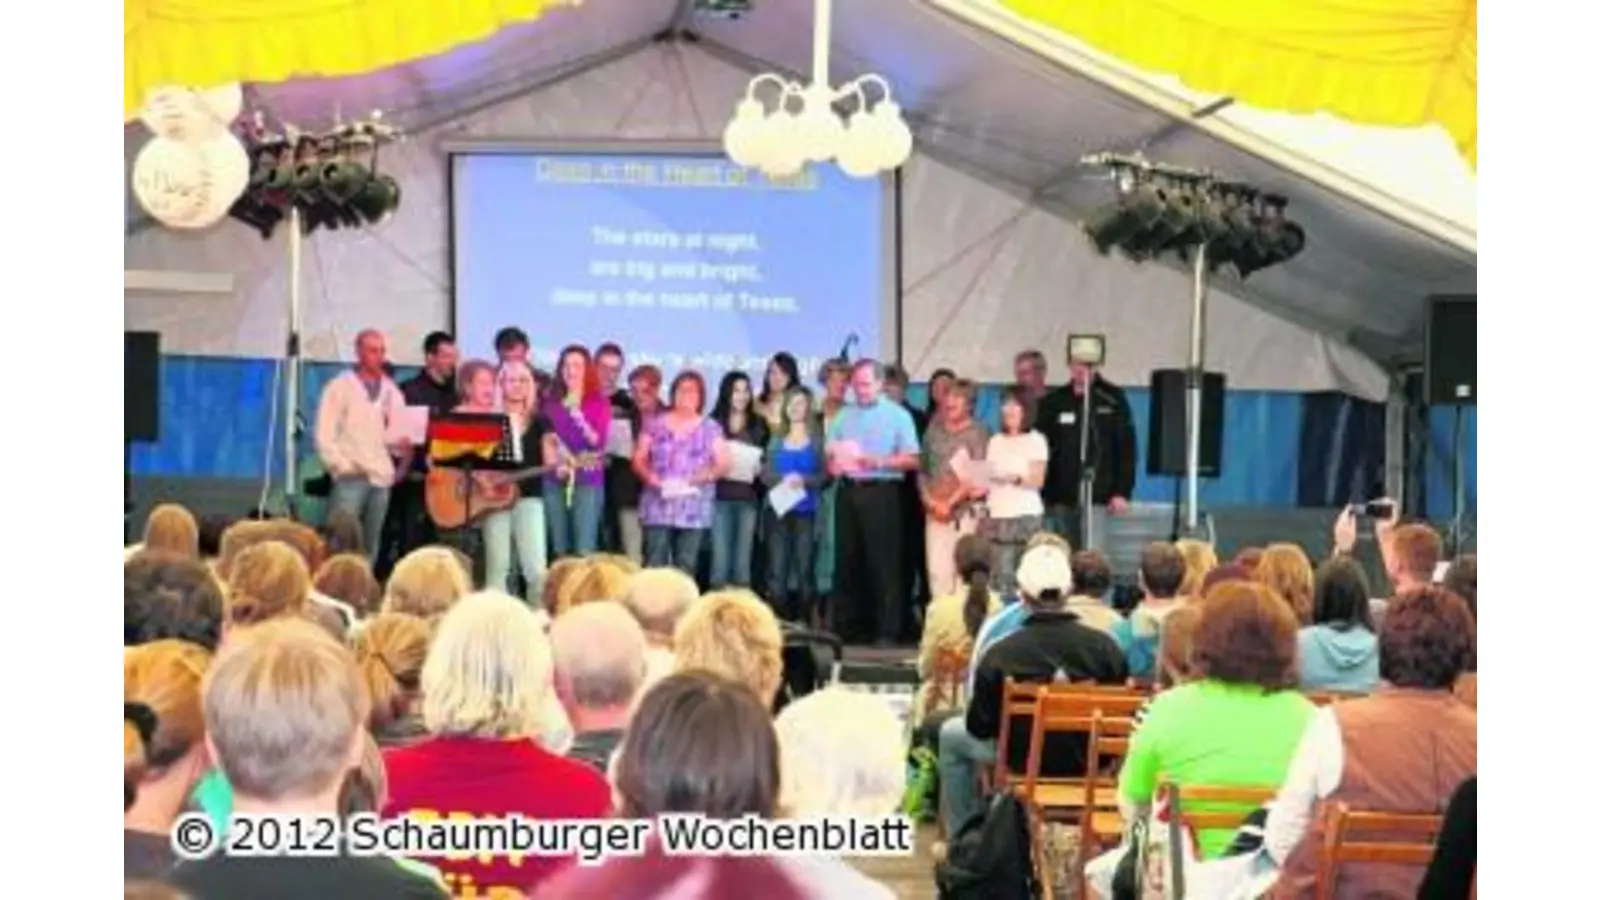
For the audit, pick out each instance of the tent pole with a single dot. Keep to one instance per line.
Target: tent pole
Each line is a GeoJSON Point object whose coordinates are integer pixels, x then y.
{"type": "Point", "coordinates": [291, 381]}
{"type": "Point", "coordinates": [1196, 377]}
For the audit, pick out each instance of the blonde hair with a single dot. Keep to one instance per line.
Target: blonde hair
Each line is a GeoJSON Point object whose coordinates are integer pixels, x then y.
{"type": "Point", "coordinates": [735, 634]}
{"type": "Point", "coordinates": [241, 536]}
{"type": "Point", "coordinates": [488, 673]}
{"type": "Point", "coordinates": [532, 403]}
{"type": "Point", "coordinates": [1286, 569]}
{"type": "Point", "coordinates": [172, 529]}
{"type": "Point", "coordinates": [658, 597]}
{"type": "Point", "coordinates": [599, 580]}
{"type": "Point", "coordinates": [426, 582]}
{"type": "Point", "coordinates": [284, 706]}
{"type": "Point", "coordinates": [842, 754]}
{"type": "Point", "coordinates": [348, 578]}
{"type": "Point", "coordinates": [556, 578]}
{"type": "Point", "coordinates": [265, 581]}
{"type": "Point", "coordinates": [165, 677]}
{"type": "Point", "coordinates": [390, 650]}
{"type": "Point", "coordinates": [1199, 558]}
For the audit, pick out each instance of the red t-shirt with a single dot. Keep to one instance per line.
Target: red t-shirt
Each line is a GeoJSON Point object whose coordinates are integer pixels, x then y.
{"type": "Point", "coordinates": [475, 778]}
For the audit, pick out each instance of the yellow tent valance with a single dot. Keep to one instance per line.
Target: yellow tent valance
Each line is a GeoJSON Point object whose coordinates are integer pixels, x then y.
{"type": "Point", "coordinates": [205, 43]}
{"type": "Point", "coordinates": [1375, 62]}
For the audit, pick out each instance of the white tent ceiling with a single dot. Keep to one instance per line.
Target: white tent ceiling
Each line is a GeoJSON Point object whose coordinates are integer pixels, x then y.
{"type": "Point", "coordinates": [990, 103]}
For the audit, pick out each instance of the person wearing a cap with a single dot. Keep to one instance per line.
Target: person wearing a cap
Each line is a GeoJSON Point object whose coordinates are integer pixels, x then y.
{"type": "Point", "coordinates": [1050, 646]}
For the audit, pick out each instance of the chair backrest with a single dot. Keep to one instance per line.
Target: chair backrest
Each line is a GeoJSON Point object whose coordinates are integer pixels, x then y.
{"type": "Point", "coordinates": [1068, 709]}
{"type": "Point", "coordinates": [1240, 800]}
{"type": "Point", "coordinates": [1017, 698]}
{"type": "Point", "coordinates": [1109, 738]}
{"type": "Point", "coordinates": [948, 680]}
{"type": "Point", "coordinates": [1396, 838]}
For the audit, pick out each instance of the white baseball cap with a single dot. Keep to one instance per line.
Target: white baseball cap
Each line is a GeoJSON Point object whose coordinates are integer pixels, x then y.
{"type": "Point", "coordinates": [1045, 568]}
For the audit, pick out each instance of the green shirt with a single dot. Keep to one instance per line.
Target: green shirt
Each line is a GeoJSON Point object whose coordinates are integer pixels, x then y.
{"type": "Point", "coordinates": [1218, 735]}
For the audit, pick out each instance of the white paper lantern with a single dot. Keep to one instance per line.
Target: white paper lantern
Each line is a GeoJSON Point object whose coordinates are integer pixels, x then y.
{"type": "Point", "coordinates": [171, 182]}
{"type": "Point", "coordinates": [745, 137]}
{"type": "Point", "coordinates": [225, 102]}
{"type": "Point", "coordinates": [180, 114]}
{"type": "Point", "coordinates": [228, 166]}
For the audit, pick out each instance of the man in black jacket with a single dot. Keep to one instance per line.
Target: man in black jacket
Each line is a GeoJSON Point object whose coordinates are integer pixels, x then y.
{"type": "Point", "coordinates": [1113, 448]}
{"type": "Point", "coordinates": [408, 525]}
{"type": "Point", "coordinates": [1050, 646]}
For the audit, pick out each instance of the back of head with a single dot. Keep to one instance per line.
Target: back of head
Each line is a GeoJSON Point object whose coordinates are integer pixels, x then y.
{"type": "Point", "coordinates": [974, 563]}
{"type": "Point", "coordinates": [1247, 635]}
{"type": "Point", "coordinates": [1343, 596]}
{"type": "Point", "coordinates": [1286, 569]}
{"type": "Point", "coordinates": [343, 534]}
{"type": "Point", "coordinates": [1091, 573]}
{"type": "Point", "coordinates": [237, 538]}
{"type": "Point", "coordinates": [1248, 559]}
{"type": "Point", "coordinates": [1045, 577]}
{"type": "Point", "coordinates": [488, 671]}
{"type": "Point", "coordinates": [172, 529]}
{"type": "Point", "coordinates": [302, 537]}
{"type": "Point", "coordinates": [366, 787]}
{"type": "Point", "coordinates": [698, 743]}
{"type": "Point", "coordinates": [426, 582]}
{"type": "Point", "coordinates": [599, 580]}
{"type": "Point", "coordinates": [1176, 665]}
{"type": "Point", "coordinates": [1428, 639]}
{"type": "Point", "coordinates": [164, 677]}
{"type": "Point", "coordinates": [658, 597]}
{"type": "Point", "coordinates": [1462, 580]}
{"type": "Point", "coordinates": [284, 709]}
{"type": "Point", "coordinates": [166, 596]}
{"type": "Point", "coordinates": [734, 634]}
{"type": "Point", "coordinates": [1162, 570]}
{"type": "Point", "coordinates": [390, 650]}
{"type": "Point", "coordinates": [1223, 574]}
{"type": "Point", "coordinates": [556, 577]}
{"type": "Point", "coordinates": [1414, 553]}
{"type": "Point", "coordinates": [658, 876]}
{"type": "Point", "coordinates": [348, 578]}
{"type": "Point", "coordinates": [267, 580]}
{"type": "Point", "coordinates": [1199, 558]}
{"type": "Point", "coordinates": [599, 655]}
{"type": "Point", "coordinates": [842, 755]}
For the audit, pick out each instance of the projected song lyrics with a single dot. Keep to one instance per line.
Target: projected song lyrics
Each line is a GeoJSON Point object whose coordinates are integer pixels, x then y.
{"type": "Point", "coordinates": [660, 269]}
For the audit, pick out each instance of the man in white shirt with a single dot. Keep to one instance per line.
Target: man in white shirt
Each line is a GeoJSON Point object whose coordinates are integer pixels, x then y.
{"type": "Point", "coordinates": [355, 416]}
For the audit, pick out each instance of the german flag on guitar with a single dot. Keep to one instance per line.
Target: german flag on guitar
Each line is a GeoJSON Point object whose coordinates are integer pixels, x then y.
{"type": "Point", "coordinates": [451, 438]}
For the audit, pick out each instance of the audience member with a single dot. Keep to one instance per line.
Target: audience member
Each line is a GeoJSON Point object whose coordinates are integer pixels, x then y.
{"type": "Point", "coordinates": [1405, 748]}
{"type": "Point", "coordinates": [1014, 612]}
{"type": "Point", "coordinates": [658, 876]}
{"type": "Point", "coordinates": [426, 583]}
{"type": "Point", "coordinates": [1287, 570]}
{"type": "Point", "coordinates": [1051, 645]}
{"type": "Point", "coordinates": [658, 598]}
{"type": "Point", "coordinates": [487, 699]}
{"type": "Point", "coordinates": [597, 580]}
{"type": "Point", "coordinates": [347, 579]}
{"type": "Point", "coordinates": [161, 699]}
{"type": "Point", "coordinates": [1161, 578]}
{"type": "Point", "coordinates": [1453, 872]}
{"type": "Point", "coordinates": [735, 634]}
{"type": "Point", "coordinates": [291, 675]}
{"type": "Point", "coordinates": [599, 660]}
{"type": "Point", "coordinates": [265, 581]}
{"type": "Point", "coordinates": [167, 596]}
{"type": "Point", "coordinates": [342, 534]}
{"type": "Point", "coordinates": [1223, 574]}
{"type": "Point", "coordinates": [1339, 650]}
{"type": "Point", "coordinates": [172, 529]}
{"type": "Point", "coordinates": [1091, 582]}
{"type": "Point", "coordinates": [1248, 559]}
{"type": "Point", "coordinates": [556, 577]}
{"type": "Point", "coordinates": [1199, 558]}
{"type": "Point", "coordinates": [1239, 723]}
{"type": "Point", "coordinates": [391, 650]}
{"type": "Point", "coordinates": [950, 626]}
{"type": "Point", "coordinates": [1175, 662]}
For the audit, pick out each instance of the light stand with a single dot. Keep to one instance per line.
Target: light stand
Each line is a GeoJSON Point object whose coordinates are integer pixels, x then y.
{"type": "Point", "coordinates": [1085, 469]}
{"type": "Point", "coordinates": [1194, 379]}
{"type": "Point", "coordinates": [291, 379]}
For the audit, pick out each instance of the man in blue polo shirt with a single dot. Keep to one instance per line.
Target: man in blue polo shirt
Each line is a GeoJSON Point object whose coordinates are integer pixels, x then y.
{"type": "Point", "coordinates": [872, 444]}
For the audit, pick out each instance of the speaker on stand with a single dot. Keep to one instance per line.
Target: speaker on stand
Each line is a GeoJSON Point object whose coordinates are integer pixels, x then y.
{"type": "Point", "coordinates": [1450, 373]}
{"type": "Point", "coordinates": [141, 408]}
{"type": "Point", "coordinates": [1168, 450]}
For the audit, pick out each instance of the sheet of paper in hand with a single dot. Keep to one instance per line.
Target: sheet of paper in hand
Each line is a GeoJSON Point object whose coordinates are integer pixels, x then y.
{"type": "Point", "coordinates": [677, 488]}
{"type": "Point", "coordinates": [785, 497]}
{"type": "Point", "coordinates": [744, 462]}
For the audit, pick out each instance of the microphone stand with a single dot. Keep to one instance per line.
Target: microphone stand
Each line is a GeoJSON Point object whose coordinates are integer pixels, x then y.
{"type": "Point", "coordinates": [1085, 470]}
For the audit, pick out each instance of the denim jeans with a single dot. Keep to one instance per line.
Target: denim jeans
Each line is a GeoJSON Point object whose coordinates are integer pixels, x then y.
{"type": "Point", "coordinates": [574, 530]}
{"type": "Point", "coordinates": [733, 542]}
{"type": "Point", "coordinates": [521, 527]}
{"type": "Point", "coordinates": [358, 497]}
{"type": "Point", "coordinates": [791, 551]}
{"type": "Point", "coordinates": [960, 754]}
{"type": "Point", "coordinates": [1006, 559]}
{"type": "Point", "coordinates": [677, 547]}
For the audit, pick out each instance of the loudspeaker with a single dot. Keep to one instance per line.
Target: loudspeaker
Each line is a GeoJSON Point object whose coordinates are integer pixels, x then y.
{"type": "Point", "coordinates": [1451, 363]}
{"type": "Point", "coordinates": [1168, 447]}
{"type": "Point", "coordinates": [141, 387]}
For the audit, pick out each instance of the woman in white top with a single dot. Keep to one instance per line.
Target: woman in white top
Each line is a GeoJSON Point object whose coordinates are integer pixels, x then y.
{"type": "Point", "coordinates": [519, 532]}
{"type": "Point", "coordinates": [1017, 456]}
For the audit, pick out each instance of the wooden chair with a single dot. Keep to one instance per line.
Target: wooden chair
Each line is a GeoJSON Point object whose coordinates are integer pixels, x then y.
{"type": "Point", "coordinates": [1017, 698]}
{"type": "Point", "coordinates": [1101, 821]}
{"type": "Point", "coordinates": [1395, 838]}
{"type": "Point", "coordinates": [1239, 801]}
{"type": "Point", "coordinates": [947, 683]}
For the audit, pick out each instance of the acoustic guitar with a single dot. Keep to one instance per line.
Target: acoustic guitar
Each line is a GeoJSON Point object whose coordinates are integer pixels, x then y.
{"type": "Point", "coordinates": [451, 494]}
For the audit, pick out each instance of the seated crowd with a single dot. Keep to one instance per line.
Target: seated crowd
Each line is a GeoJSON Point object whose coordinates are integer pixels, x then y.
{"type": "Point", "coordinates": [265, 673]}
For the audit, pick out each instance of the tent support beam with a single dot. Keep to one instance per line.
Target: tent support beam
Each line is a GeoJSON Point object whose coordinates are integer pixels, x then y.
{"type": "Point", "coordinates": [1194, 380]}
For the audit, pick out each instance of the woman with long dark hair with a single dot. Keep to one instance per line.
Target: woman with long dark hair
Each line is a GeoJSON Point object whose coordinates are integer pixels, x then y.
{"type": "Point", "coordinates": [782, 376]}
{"type": "Point", "coordinates": [738, 506]}
{"type": "Point", "coordinates": [1017, 458]}
{"type": "Point", "coordinates": [579, 414]}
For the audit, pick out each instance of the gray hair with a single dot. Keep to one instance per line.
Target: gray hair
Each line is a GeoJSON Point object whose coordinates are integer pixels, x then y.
{"type": "Point", "coordinates": [599, 652]}
{"type": "Point", "coordinates": [488, 672]}
{"type": "Point", "coordinates": [658, 597]}
{"type": "Point", "coordinates": [843, 753]}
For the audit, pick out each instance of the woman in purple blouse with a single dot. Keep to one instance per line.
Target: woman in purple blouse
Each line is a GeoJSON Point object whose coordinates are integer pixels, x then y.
{"type": "Point", "coordinates": [579, 414]}
{"type": "Point", "coordinates": [679, 458]}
